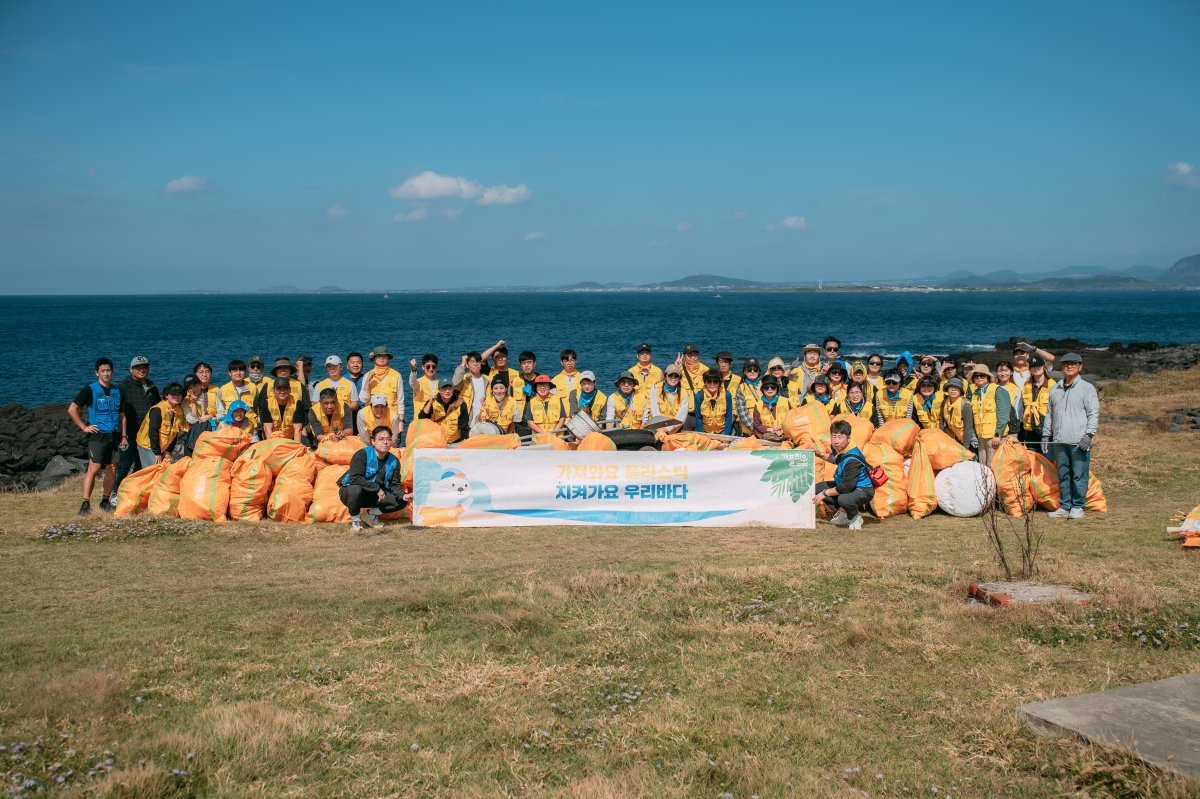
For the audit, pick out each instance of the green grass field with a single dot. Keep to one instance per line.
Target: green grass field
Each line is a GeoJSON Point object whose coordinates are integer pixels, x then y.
{"type": "Point", "coordinates": [161, 658]}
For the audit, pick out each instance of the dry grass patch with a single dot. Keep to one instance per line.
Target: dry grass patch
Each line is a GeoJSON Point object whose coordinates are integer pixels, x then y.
{"type": "Point", "coordinates": [71, 695]}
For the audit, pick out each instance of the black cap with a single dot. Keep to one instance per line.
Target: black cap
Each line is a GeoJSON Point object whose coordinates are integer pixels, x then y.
{"type": "Point", "coordinates": [282, 382]}
{"type": "Point", "coordinates": [751, 362]}
{"type": "Point", "coordinates": [190, 380]}
{"type": "Point", "coordinates": [770, 380]}
{"type": "Point", "coordinates": [723, 355]}
{"type": "Point", "coordinates": [446, 383]}
{"type": "Point", "coordinates": [307, 359]}
{"type": "Point", "coordinates": [644, 347]}
{"type": "Point", "coordinates": [1036, 360]}
{"type": "Point", "coordinates": [690, 348]}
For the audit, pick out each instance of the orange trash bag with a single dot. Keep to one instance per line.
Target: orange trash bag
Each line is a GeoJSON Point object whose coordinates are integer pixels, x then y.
{"type": "Point", "coordinates": [293, 490]}
{"type": "Point", "coordinates": [422, 434]}
{"type": "Point", "coordinates": [750, 442]}
{"type": "Point", "coordinates": [228, 443]}
{"type": "Point", "coordinates": [326, 505]}
{"type": "Point", "coordinates": [1095, 499]}
{"type": "Point", "coordinates": [860, 428]}
{"type": "Point", "coordinates": [252, 479]}
{"type": "Point", "coordinates": [1012, 464]}
{"type": "Point", "coordinates": [808, 427]}
{"type": "Point", "coordinates": [339, 452]}
{"type": "Point", "coordinates": [502, 441]}
{"type": "Point", "coordinates": [922, 498]}
{"type": "Point", "coordinates": [891, 498]}
{"type": "Point", "coordinates": [596, 442]}
{"type": "Point", "coordinates": [941, 450]}
{"type": "Point", "coordinates": [204, 490]}
{"type": "Point", "coordinates": [164, 499]}
{"type": "Point", "coordinates": [134, 492]}
{"type": "Point", "coordinates": [554, 441]}
{"type": "Point", "coordinates": [274, 452]}
{"type": "Point", "coordinates": [695, 442]}
{"type": "Point", "coordinates": [899, 434]}
{"type": "Point", "coordinates": [1043, 482]}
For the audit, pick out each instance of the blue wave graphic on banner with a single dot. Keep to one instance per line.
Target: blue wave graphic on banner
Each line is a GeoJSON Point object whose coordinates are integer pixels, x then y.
{"type": "Point", "coordinates": [616, 516]}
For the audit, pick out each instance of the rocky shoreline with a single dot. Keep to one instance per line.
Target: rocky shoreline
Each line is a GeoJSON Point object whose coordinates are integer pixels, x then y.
{"type": "Point", "coordinates": [31, 438]}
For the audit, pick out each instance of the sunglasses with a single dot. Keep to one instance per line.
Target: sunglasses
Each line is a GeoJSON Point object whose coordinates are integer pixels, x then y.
{"type": "Point", "coordinates": [572, 360]}
{"type": "Point", "coordinates": [672, 376]}
{"type": "Point", "coordinates": [751, 369]}
{"type": "Point", "coordinates": [874, 363]}
{"type": "Point", "coordinates": [429, 366]}
{"type": "Point", "coordinates": [831, 349]}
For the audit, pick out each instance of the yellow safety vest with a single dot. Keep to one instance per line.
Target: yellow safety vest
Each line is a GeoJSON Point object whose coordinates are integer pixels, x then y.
{"type": "Point", "coordinates": [712, 411]}
{"type": "Point", "coordinates": [628, 413]}
{"type": "Point", "coordinates": [983, 407]}
{"type": "Point", "coordinates": [931, 418]}
{"type": "Point", "coordinates": [281, 427]}
{"type": "Point", "coordinates": [647, 381]}
{"type": "Point", "coordinates": [693, 378]}
{"type": "Point", "coordinates": [773, 417]}
{"type": "Point", "coordinates": [345, 390]}
{"type": "Point", "coordinates": [447, 419]}
{"type": "Point", "coordinates": [172, 424]}
{"type": "Point", "coordinates": [867, 411]}
{"type": "Point", "coordinates": [387, 384]}
{"type": "Point", "coordinates": [889, 410]}
{"type": "Point", "coordinates": [330, 424]}
{"type": "Point", "coordinates": [493, 412]}
{"type": "Point", "coordinates": [229, 394]}
{"type": "Point", "coordinates": [1035, 407]}
{"type": "Point", "coordinates": [545, 413]}
{"type": "Point", "coordinates": [952, 419]}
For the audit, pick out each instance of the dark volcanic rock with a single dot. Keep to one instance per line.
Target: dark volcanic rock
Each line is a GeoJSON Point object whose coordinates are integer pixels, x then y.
{"type": "Point", "coordinates": [32, 437]}
{"type": "Point", "coordinates": [57, 470]}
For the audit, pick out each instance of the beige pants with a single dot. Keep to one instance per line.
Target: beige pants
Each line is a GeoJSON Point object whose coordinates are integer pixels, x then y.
{"type": "Point", "coordinates": [986, 451]}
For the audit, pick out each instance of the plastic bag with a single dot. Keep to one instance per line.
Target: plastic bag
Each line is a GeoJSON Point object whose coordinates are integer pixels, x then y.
{"type": "Point", "coordinates": [941, 450]}
{"type": "Point", "coordinates": [228, 443]}
{"type": "Point", "coordinates": [596, 442]}
{"type": "Point", "coordinates": [899, 434]}
{"type": "Point", "coordinates": [293, 490]}
{"type": "Point", "coordinates": [204, 490]}
{"type": "Point", "coordinates": [275, 453]}
{"type": "Point", "coordinates": [339, 452]}
{"type": "Point", "coordinates": [860, 428]}
{"type": "Point", "coordinates": [134, 493]}
{"type": "Point", "coordinates": [502, 441]}
{"type": "Point", "coordinates": [808, 427]}
{"type": "Point", "coordinates": [164, 499]}
{"type": "Point", "coordinates": [922, 495]}
{"type": "Point", "coordinates": [891, 498]}
{"type": "Point", "coordinates": [327, 505]}
{"type": "Point", "coordinates": [965, 489]}
{"type": "Point", "coordinates": [252, 479]}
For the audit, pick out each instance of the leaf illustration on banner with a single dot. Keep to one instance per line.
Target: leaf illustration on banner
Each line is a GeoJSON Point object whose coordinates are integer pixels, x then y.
{"type": "Point", "coordinates": [789, 473]}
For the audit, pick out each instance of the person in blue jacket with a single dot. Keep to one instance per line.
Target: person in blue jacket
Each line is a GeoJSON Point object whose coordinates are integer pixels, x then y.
{"type": "Point", "coordinates": [851, 484]}
{"type": "Point", "coordinates": [106, 432]}
{"type": "Point", "coordinates": [372, 481]}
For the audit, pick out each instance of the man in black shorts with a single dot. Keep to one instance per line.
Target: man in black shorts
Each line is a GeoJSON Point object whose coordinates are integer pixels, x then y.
{"type": "Point", "coordinates": [106, 431]}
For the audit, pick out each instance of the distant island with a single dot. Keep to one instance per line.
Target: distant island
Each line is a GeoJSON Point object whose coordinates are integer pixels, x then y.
{"type": "Point", "coordinates": [1183, 274]}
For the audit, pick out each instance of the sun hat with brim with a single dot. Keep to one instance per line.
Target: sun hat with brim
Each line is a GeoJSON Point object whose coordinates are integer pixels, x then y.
{"type": "Point", "coordinates": [626, 375]}
{"type": "Point", "coordinates": [281, 362]}
{"type": "Point", "coordinates": [776, 361]}
{"type": "Point", "coordinates": [237, 405]}
{"type": "Point", "coordinates": [813, 347]}
{"type": "Point", "coordinates": [723, 355]}
{"type": "Point", "coordinates": [982, 369]}
{"type": "Point", "coordinates": [954, 382]}
{"type": "Point", "coordinates": [375, 353]}
{"type": "Point", "coordinates": [820, 380]}
{"type": "Point", "coordinates": [1071, 357]}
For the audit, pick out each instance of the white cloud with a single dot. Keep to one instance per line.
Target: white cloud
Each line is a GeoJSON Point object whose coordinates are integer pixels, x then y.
{"type": "Point", "coordinates": [429, 185]}
{"type": "Point", "coordinates": [415, 215]}
{"type": "Point", "coordinates": [452, 213]}
{"type": "Point", "coordinates": [740, 215]}
{"type": "Point", "coordinates": [337, 211]}
{"type": "Point", "coordinates": [684, 226]}
{"type": "Point", "coordinates": [789, 223]}
{"type": "Point", "coordinates": [188, 184]}
{"type": "Point", "coordinates": [535, 235]}
{"type": "Point", "coordinates": [1182, 173]}
{"type": "Point", "coordinates": [505, 195]}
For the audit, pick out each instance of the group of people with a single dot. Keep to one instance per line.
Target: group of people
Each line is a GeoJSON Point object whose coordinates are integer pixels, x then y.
{"type": "Point", "coordinates": [132, 424]}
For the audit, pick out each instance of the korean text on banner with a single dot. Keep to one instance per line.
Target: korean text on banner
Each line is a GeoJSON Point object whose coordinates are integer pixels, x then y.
{"type": "Point", "coordinates": [506, 488]}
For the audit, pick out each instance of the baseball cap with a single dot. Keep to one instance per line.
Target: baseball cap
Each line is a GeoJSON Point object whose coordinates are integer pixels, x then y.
{"type": "Point", "coordinates": [282, 382]}
{"type": "Point", "coordinates": [690, 348]}
{"type": "Point", "coordinates": [723, 355]}
{"type": "Point", "coordinates": [379, 399]}
{"type": "Point", "coordinates": [139, 360]}
{"type": "Point", "coordinates": [446, 383]}
{"type": "Point", "coordinates": [256, 359]}
{"type": "Point", "coordinates": [306, 358]}
{"type": "Point", "coordinates": [587, 375]}
{"type": "Point", "coordinates": [644, 347]}
{"type": "Point", "coordinates": [190, 380]}
{"type": "Point", "coordinates": [1036, 360]}
{"type": "Point", "coordinates": [333, 360]}
{"type": "Point", "coordinates": [673, 369]}
{"type": "Point", "coordinates": [542, 379]}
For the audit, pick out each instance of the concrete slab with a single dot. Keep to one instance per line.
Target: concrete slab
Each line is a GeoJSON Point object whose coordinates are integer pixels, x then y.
{"type": "Point", "coordinates": [1024, 592]}
{"type": "Point", "coordinates": [1158, 721]}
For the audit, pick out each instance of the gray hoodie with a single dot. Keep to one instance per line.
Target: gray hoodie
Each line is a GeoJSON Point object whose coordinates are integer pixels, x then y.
{"type": "Point", "coordinates": [1073, 412]}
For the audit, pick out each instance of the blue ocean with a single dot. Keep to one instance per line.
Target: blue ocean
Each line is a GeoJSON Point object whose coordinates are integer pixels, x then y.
{"type": "Point", "coordinates": [50, 343]}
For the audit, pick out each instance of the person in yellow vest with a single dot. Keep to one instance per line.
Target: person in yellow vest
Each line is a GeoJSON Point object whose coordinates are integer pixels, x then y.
{"type": "Point", "coordinates": [957, 418]}
{"type": "Point", "coordinates": [329, 419]}
{"type": "Point", "coordinates": [858, 375]}
{"type": "Point", "coordinates": [927, 366]}
{"type": "Point", "coordinates": [1004, 379]}
{"type": "Point", "coordinates": [927, 404]}
{"type": "Point", "coordinates": [448, 410]}
{"type": "Point", "coordinates": [839, 378]}
{"type": "Point", "coordinates": [1035, 400]}
{"type": "Point", "coordinates": [1023, 354]}
{"type": "Point", "coordinates": [377, 413]}
{"type": "Point", "coordinates": [819, 393]}
{"type": "Point", "coordinates": [748, 395]}
{"type": "Point", "coordinates": [426, 385]}
{"type": "Point", "coordinates": [729, 380]}
{"type": "Point", "coordinates": [804, 374]}
{"type": "Point", "coordinates": [587, 398]}
{"type": "Point", "coordinates": [282, 414]}
{"type": "Point", "coordinates": [567, 381]}
{"type": "Point", "coordinates": [626, 407]}
{"type": "Point", "coordinates": [712, 407]}
{"type": "Point", "coordinates": [990, 407]}
{"type": "Point", "coordinates": [875, 370]}
{"type": "Point", "coordinates": [195, 406]}
{"type": "Point", "coordinates": [789, 387]}
{"type": "Point", "coordinates": [693, 369]}
{"type": "Point", "coordinates": [385, 380]}
{"type": "Point", "coordinates": [647, 374]}
{"type": "Point", "coordinates": [472, 384]}
{"type": "Point", "coordinates": [498, 352]}
{"type": "Point", "coordinates": [208, 393]}
{"type": "Point", "coordinates": [545, 413]}
{"type": "Point", "coordinates": [284, 368]}
{"type": "Point", "coordinates": [256, 376]}
{"type": "Point", "coordinates": [893, 402]}
{"type": "Point", "coordinates": [344, 386]}
{"type": "Point", "coordinates": [161, 427]}
{"type": "Point", "coordinates": [666, 396]}
{"type": "Point", "coordinates": [771, 411]}
{"type": "Point", "coordinates": [858, 403]}
{"type": "Point", "coordinates": [499, 408]}
{"type": "Point", "coordinates": [238, 388]}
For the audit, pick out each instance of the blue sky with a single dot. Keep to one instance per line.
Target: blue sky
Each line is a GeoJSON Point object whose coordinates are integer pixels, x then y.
{"type": "Point", "coordinates": [165, 146]}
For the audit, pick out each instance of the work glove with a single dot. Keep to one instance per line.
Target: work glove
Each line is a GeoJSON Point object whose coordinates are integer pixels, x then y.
{"type": "Point", "coordinates": [974, 443]}
{"type": "Point", "coordinates": [1045, 446]}
{"type": "Point", "coordinates": [1025, 345]}
{"type": "Point", "coordinates": [1085, 443]}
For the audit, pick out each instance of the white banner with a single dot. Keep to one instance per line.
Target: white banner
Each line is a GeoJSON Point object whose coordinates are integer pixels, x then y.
{"type": "Point", "coordinates": [506, 488]}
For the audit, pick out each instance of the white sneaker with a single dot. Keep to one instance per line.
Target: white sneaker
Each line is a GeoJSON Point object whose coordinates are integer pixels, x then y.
{"type": "Point", "coordinates": [356, 525]}
{"type": "Point", "coordinates": [840, 518]}
{"type": "Point", "coordinates": [1061, 513]}
{"type": "Point", "coordinates": [1076, 513]}
{"type": "Point", "coordinates": [371, 519]}
{"type": "Point", "coordinates": [856, 524]}
{"type": "Point", "coordinates": [113, 499]}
